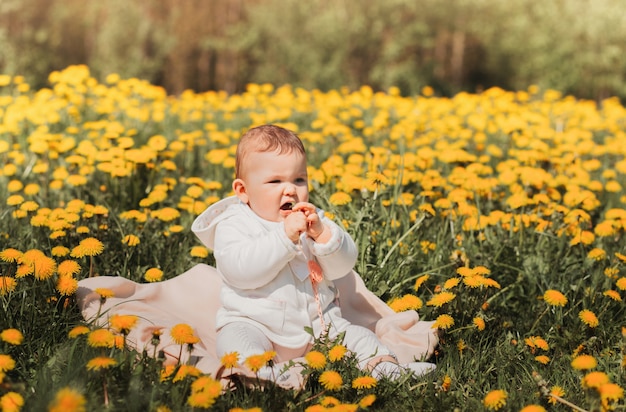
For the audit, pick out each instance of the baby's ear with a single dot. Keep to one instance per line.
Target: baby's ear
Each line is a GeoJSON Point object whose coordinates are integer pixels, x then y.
{"type": "Point", "coordinates": [239, 187]}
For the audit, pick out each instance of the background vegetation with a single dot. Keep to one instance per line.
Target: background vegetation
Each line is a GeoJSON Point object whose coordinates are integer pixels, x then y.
{"type": "Point", "coordinates": [452, 45]}
{"type": "Point", "coordinates": [499, 215]}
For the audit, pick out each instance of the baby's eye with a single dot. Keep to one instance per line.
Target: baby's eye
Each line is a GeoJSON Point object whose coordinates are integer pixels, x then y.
{"type": "Point", "coordinates": [274, 181]}
{"type": "Point", "coordinates": [300, 180]}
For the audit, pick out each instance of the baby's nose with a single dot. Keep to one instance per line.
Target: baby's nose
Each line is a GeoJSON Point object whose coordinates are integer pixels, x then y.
{"type": "Point", "coordinates": [290, 189]}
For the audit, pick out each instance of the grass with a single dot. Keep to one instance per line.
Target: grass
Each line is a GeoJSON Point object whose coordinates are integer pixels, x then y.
{"type": "Point", "coordinates": [500, 215]}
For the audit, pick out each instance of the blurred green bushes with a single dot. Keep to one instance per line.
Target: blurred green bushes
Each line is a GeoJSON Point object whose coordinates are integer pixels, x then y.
{"type": "Point", "coordinates": [574, 46]}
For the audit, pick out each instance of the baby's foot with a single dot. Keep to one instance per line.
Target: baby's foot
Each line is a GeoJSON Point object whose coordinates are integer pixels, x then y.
{"type": "Point", "coordinates": [393, 371]}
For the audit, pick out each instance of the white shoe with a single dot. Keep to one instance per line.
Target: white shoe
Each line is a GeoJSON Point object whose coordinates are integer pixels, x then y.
{"type": "Point", "coordinates": [420, 368]}
{"type": "Point", "coordinates": [394, 371]}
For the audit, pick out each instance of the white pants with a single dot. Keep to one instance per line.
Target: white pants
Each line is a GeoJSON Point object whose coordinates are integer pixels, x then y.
{"type": "Point", "coordinates": [247, 340]}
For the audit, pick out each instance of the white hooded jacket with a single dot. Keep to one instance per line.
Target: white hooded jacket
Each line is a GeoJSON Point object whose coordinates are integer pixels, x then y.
{"type": "Point", "coordinates": [265, 275]}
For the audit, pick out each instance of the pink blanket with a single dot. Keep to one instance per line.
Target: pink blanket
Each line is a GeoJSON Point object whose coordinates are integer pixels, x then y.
{"type": "Point", "coordinates": [193, 298]}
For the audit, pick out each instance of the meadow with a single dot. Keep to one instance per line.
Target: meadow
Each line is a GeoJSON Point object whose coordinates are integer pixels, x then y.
{"type": "Point", "coordinates": [500, 215]}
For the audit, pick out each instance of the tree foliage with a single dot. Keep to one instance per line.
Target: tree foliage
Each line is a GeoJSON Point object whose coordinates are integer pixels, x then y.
{"type": "Point", "coordinates": [451, 45]}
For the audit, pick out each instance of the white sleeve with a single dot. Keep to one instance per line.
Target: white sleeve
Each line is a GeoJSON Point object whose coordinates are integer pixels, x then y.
{"type": "Point", "coordinates": [337, 257]}
{"type": "Point", "coordinates": [247, 262]}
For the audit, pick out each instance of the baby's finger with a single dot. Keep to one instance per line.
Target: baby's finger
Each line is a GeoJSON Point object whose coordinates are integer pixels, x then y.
{"type": "Point", "coordinates": [312, 218]}
{"type": "Point", "coordinates": [304, 207]}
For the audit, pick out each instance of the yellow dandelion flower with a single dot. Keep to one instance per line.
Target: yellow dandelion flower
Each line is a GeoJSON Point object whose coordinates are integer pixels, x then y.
{"type": "Point", "coordinates": [199, 252]}
{"type": "Point", "coordinates": [406, 302]}
{"type": "Point", "coordinates": [610, 392]}
{"type": "Point", "coordinates": [554, 298]}
{"type": "Point", "coordinates": [10, 255]}
{"type": "Point", "coordinates": [29, 206]}
{"type": "Point", "coordinates": [15, 200]}
{"type": "Point", "coordinates": [88, 247]}
{"type": "Point", "coordinates": [364, 382]}
{"type": "Point", "coordinates": [474, 281]}
{"type": "Point", "coordinates": [32, 189]}
{"type": "Point", "coordinates": [543, 359]}
{"type": "Point", "coordinates": [12, 336]}
{"type": "Point", "coordinates": [605, 229]}
{"type": "Point", "coordinates": [594, 379]}
{"type": "Point", "coordinates": [495, 399]}
{"type": "Point", "coordinates": [7, 363]}
{"type": "Point", "coordinates": [11, 402]}
{"type": "Point", "coordinates": [367, 401]}
{"type": "Point", "coordinates": [584, 362]}
{"type": "Point", "coordinates": [185, 371]}
{"type": "Point", "coordinates": [167, 214]}
{"type": "Point", "coordinates": [206, 383]}
{"type": "Point", "coordinates": [451, 283]}
{"type": "Point", "coordinates": [101, 338]}
{"type": "Point", "coordinates": [336, 353]}
{"type": "Point", "coordinates": [118, 341]}
{"type": "Point", "coordinates": [269, 355]}
{"type": "Point", "coordinates": [255, 362]}
{"type": "Point", "coordinates": [176, 228]}
{"type": "Point", "coordinates": [331, 380]}
{"type": "Point", "coordinates": [420, 281]}
{"type": "Point", "coordinates": [68, 400]}
{"type": "Point", "coordinates": [131, 240]}
{"type": "Point", "coordinates": [77, 331]}
{"type": "Point", "coordinates": [596, 254]}
{"type": "Point", "coordinates": [23, 271]}
{"type": "Point", "coordinates": [104, 293]}
{"type": "Point", "coordinates": [461, 346]}
{"type": "Point", "coordinates": [7, 285]}
{"type": "Point", "coordinates": [201, 400]}
{"type": "Point", "coordinates": [613, 295]}
{"type": "Point", "coordinates": [329, 402]}
{"type": "Point", "coordinates": [621, 283]}
{"type": "Point", "coordinates": [446, 383]}
{"type": "Point", "coordinates": [68, 268]}
{"type": "Point", "coordinates": [123, 323]}
{"type": "Point", "coordinates": [589, 318]}
{"type": "Point", "coordinates": [611, 272]}
{"type": "Point", "coordinates": [481, 270]}
{"type": "Point", "coordinates": [465, 271]}
{"type": "Point", "coordinates": [620, 256]}
{"type": "Point", "coordinates": [479, 323]}
{"type": "Point", "coordinates": [153, 275]}
{"type": "Point", "coordinates": [315, 359]}
{"type": "Point", "coordinates": [441, 299]}
{"type": "Point", "coordinates": [537, 342]}
{"type": "Point", "coordinates": [556, 392]}
{"type": "Point", "coordinates": [443, 322]}
{"type": "Point", "coordinates": [375, 179]}
{"type": "Point", "coordinates": [339, 199]}
{"type": "Point", "coordinates": [230, 360]}
{"type": "Point", "coordinates": [166, 372]}
{"type": "Point", "coordinates": [183, 334]}
{"type": "Point", "coordinates": [427, 208]}
{"type": "Point", "coordinates": [490, 283]}
{"type": "Point", "coordinates": [44, 267]}
{"type": "Point", "coordinates": [58, 234]}
{"type": "Point", "coordinates": [533, 408]}
{"type": "Point", "coordinates": [67, 285]}
{"type": "Point", "coordinates": [100, 362]}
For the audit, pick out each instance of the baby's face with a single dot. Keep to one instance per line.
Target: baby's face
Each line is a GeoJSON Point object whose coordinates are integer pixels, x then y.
{"type": "Point", "coordinates": [274, 182]}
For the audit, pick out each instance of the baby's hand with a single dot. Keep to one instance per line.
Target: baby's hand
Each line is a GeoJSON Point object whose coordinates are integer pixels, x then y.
{"type": "Point", "coordinates": [295, 225]}
{"type": "Point", "coordinates": [315, 228]}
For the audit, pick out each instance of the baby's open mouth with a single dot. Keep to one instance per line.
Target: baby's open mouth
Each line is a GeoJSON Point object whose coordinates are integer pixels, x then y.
{"type": "Point", "coordinates": [287, 206]}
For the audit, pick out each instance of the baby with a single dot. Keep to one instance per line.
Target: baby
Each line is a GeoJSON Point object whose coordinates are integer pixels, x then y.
{"type": "Point", "coordinates": [278, 256]}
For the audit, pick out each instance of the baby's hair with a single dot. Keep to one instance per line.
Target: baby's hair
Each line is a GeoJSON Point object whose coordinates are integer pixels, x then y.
{"type": "Point", "coordinates": [266, 138]}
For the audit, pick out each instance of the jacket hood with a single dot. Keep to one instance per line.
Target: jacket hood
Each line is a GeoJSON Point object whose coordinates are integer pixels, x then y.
{"type": "Point", "coordinates": [204, 225]}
